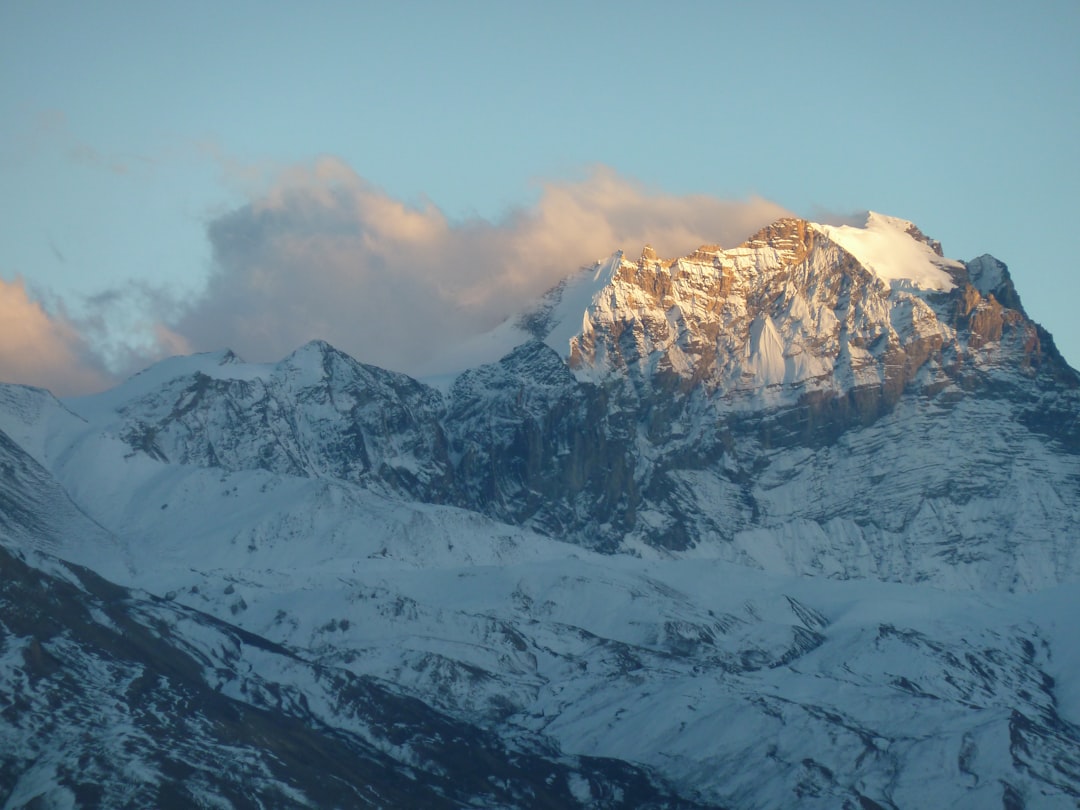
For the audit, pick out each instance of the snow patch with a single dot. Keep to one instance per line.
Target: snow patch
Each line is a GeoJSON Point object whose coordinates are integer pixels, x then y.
{"type": "Point", "coordinates": [577, 296]}
{"type": "Point", "coordinates": [765, 353]}
{"type": "Point", "coordinates": [986, 274]}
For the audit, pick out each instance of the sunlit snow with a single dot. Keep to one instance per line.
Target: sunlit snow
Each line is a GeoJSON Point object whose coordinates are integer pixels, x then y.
{"type": "Point", "coordinates": [885, 247]}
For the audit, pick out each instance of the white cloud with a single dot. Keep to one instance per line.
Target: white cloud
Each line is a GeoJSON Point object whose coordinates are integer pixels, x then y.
{"type": "Point", "coordinates": [324, 254]}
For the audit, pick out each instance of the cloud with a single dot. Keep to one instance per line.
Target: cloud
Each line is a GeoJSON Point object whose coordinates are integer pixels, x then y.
{"type": "Point", "coordinates": [322, 253]}
{"type": "Point", "coordinates": [128, 328]}
{"type": "Point", "coordinates": [319, 252]}
{"type": "Point", "coordinates": [39, 348]}
{"type": "Point", "coordinates": [50, 133]}
{"type": "Point", "coordinates": [827, 216]}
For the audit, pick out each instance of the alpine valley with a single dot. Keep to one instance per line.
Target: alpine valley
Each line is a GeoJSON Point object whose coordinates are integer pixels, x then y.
{"type": "Point", "coordinates": [792, 524]}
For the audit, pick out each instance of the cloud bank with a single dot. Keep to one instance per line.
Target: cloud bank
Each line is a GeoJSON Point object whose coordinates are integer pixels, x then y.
{"type": "Point", "coordinates": [322, 253]}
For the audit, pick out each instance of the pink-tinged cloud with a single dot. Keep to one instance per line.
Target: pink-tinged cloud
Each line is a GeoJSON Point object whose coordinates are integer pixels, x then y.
{"type": "Point", "coordinates": [37, 348]}
{"type": "Point", "coordinates": [325, 254]}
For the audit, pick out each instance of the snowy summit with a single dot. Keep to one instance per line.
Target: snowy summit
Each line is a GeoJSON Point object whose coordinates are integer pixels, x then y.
{"type": "Point", "coordinates": [887, 247]}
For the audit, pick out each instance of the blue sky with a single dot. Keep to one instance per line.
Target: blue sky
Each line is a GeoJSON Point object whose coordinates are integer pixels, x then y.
{"type": "Point", "coordinates": [131, 134]}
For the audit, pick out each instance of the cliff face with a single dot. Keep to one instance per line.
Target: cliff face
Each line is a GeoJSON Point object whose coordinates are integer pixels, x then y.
{"type": "Point", "coordinates": [793, 312]}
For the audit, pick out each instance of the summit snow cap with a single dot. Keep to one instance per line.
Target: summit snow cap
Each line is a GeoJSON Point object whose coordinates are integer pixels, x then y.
{"type": "Point", "coordinates": [889, 248]}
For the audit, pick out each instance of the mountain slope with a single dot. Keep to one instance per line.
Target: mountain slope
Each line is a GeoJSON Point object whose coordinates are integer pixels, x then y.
{"type": "Point", "coordinates": [119, 699]}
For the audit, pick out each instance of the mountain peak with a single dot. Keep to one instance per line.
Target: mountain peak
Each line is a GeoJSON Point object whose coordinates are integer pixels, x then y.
{"type": "Point", "coordinates": [789, 235]}
{"type": "Point", "coordinates": [897, 252]}
{"type": "Point", "coordinates": [315, 348]}
{"type": "Point", "coordinates": [848, 308]}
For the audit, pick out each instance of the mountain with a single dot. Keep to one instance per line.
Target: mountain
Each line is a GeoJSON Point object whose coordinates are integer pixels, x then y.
{"type": "Point", "coordinates": [786, 524]}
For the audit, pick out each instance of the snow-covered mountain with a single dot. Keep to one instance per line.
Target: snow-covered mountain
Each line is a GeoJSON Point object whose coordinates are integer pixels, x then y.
{"type": "Point", "coordinates": [790, 524]}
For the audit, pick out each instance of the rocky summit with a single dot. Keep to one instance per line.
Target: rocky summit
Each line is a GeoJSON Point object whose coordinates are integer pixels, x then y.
{"type": "Point", "coordinates": [787, 524]}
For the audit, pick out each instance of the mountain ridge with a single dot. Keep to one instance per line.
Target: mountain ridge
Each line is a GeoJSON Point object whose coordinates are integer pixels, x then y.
{"type": "Point", "coordinates": [685, 376]}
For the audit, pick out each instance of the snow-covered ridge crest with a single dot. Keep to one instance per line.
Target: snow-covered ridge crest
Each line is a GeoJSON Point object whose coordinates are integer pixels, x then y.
{"type": "Point", "coordinates": [888, 247]}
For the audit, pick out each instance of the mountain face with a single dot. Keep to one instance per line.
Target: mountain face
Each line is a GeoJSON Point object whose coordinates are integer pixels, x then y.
{"type": "Point", "coordinates": [786, 524]}
{"type": "Point", "coordinates": [119, 699]}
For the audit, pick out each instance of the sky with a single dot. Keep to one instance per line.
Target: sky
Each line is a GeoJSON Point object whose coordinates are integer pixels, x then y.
{"type": "Point", "coordinates": [390, 176]}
